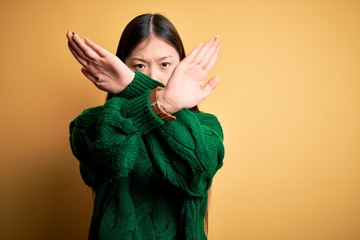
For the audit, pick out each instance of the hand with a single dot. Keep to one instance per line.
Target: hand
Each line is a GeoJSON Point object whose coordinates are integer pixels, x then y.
{"type": "Point", "coordinates": [187, 86]}
{"type": "Point", "coordinates": [105, 70]}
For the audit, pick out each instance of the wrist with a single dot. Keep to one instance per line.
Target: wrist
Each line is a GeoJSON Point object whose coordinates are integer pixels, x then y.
{"type": "Point", "coordinates": [170, 106]}
{"type": "Point", "coordinates": [123, 81]}
{"type": "Point", "coordinates": [158, 105]}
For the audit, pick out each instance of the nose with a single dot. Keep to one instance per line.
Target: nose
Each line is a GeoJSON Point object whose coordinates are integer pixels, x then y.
{"type": "Point", "coordinates": [153, 73]}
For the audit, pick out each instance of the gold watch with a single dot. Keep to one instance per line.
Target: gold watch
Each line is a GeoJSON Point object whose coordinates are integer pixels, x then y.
{"type": "Point", "coordinates": [158, 108]}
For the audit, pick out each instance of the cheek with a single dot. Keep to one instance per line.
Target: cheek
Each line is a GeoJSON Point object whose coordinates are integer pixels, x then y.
{"type": "Point", "coordinates": [164, 78]}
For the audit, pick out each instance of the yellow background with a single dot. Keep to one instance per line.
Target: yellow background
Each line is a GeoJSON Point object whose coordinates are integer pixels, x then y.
{"type": "Point", "coordinates": [289, 102]}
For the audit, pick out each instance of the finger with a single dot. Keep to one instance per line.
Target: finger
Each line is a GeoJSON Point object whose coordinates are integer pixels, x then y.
{"type": "Point", "coordinates": [81, 60]}
{"type": "Point", "coordinates": [90, 76]}
{"type": "Point", "coordinates": [84, 48]}
{"type": "Point", "coordinates": [212, 60]}
{"type": "Point", "coordinates": [210, 84]}
{"type": "Point", "coordinates": [190, 57]}
{"type": "Point", "coordinates": [97, 48]}
{"type": "Point", "coordinates": [75, 47]}
{"type": "Point", "coordinates": [68, 35]}
{"type": "Point", "coordinates": [203, 51]}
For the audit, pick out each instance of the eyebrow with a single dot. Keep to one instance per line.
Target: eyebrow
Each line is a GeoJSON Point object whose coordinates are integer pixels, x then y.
{"type": "Point", "coordinates": [143, 60]}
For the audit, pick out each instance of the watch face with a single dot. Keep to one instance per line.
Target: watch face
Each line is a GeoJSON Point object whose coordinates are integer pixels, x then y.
{"type": "Point", "coordinates": [163, 108]}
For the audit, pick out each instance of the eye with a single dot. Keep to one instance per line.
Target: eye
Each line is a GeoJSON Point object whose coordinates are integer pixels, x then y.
{"type": "Point", "coordinates": [165, 64]}
{"type": "Point", "coordinates": [139, 66]}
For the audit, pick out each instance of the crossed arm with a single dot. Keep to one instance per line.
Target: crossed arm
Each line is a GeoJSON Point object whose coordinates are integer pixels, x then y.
{"type": "Point", "coordinates": [187, 87]}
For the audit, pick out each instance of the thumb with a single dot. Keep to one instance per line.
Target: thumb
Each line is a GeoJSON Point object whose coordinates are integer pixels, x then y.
{"type": "Point", "coordinates": [90, 76]}
{"type": "Point", "coordinates": [210, 85]}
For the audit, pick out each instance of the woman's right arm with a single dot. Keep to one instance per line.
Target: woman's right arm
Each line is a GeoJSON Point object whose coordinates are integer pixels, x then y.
{"type": "Point", "coordinates": [105, 139]}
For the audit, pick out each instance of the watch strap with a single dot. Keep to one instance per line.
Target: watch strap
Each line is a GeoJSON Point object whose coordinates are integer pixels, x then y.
{"type": "Point", "coordinates": [159, 109]}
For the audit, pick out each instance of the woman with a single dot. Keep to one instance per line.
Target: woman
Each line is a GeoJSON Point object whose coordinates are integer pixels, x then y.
{"type": "Point", "coordinates": [148, 156]}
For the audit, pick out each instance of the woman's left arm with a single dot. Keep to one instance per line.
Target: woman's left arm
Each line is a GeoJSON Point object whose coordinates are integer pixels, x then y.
{"type": "Point", "coordinates": [188, 152]}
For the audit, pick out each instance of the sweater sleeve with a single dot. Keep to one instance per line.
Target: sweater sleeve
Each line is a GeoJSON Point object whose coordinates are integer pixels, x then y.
{"type": "Point", "coordinates": [113, 126]}
{"type": "Point", "coordinates": [138, 86]}
{"type": "Point", "coordinates": [103, 138]}
{"type": "Point", "coordinates": [188, 152]}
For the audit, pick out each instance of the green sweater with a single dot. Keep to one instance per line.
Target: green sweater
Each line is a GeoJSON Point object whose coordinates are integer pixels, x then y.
{"type": "Point", "coordinates": [150, 177]}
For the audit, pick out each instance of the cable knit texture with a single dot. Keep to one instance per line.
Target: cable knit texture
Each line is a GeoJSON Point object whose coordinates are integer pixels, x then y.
{"type": "Point", "coordinates": [150, 177]}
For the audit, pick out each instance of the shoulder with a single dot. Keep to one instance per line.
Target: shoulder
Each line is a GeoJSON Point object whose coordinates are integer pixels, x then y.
{"type": "Point", "coordinates": [86, 116]}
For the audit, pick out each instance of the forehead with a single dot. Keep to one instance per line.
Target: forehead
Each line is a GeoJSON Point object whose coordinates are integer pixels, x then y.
{"type": "Point", "coordinates": [154, 47]}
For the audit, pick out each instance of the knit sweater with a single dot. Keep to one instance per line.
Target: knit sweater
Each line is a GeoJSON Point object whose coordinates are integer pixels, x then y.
{"type": "Point", "coordinates": [150, 177]}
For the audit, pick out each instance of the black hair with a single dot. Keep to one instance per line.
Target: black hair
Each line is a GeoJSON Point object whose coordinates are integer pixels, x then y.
{"type": "Point", "coordinates": [145, 26]}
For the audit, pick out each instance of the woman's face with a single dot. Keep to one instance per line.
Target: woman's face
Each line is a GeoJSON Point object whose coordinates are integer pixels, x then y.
{"type": "Point", "coordinates": [155, 58]}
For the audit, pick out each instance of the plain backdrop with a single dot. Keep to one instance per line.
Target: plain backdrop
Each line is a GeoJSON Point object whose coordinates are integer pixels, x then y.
{"type": "Point", "coordinates": [288, 101]}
